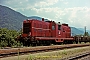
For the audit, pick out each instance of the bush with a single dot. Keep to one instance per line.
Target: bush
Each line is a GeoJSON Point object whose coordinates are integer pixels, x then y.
{"type": "Point", "coordinates": [7, 38]}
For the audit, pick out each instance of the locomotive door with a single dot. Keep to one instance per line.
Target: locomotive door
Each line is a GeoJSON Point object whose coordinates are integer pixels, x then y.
{"type": "Point", "coordinates": [59, 33]}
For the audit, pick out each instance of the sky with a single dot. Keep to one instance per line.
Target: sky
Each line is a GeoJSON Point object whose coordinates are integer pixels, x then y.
{"type": "Point", "coordinates": [76, 13]}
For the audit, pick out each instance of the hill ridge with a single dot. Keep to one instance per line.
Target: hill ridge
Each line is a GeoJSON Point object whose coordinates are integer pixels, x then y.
{"type": "Point", "coordinates": [12, 19]}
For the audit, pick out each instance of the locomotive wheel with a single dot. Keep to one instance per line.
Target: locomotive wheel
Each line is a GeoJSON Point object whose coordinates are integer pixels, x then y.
{"type": "Point", "coordinates": [76, 42]}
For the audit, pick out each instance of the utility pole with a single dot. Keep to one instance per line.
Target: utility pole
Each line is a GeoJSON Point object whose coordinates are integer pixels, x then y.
{"type": "Point", "coordinates": [85, 31]}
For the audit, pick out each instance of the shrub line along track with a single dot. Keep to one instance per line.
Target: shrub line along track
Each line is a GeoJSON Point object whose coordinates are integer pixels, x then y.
{"type": "Point", "coordinates": [16, 51]}
{"type": "Point", "coordinates": [79, 56]}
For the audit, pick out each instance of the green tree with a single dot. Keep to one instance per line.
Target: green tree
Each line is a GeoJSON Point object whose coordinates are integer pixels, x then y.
{"type": "Point", "coordinates": [7, 38]}
{"type": "Point", "coordinates": [86, 34]}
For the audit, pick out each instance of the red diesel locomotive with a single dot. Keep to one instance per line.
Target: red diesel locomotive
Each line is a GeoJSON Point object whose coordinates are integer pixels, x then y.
{"type": "Point", "coordinates": [36, 32]}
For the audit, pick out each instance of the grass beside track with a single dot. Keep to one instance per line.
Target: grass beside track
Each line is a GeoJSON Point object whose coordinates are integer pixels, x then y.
{"type": "Point", "coordinates": [54, 55]}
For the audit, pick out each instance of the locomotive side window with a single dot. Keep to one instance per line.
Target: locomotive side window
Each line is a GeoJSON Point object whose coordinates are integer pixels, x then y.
{"type": "Point", "coordinates": [59, 27]}
{"type": "Point", "coordinates": [53, 27]}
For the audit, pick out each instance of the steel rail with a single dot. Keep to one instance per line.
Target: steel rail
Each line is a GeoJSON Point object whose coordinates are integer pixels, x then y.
{"type": "Point", "coordinates": [79, 56]}
{"type": "Point", "coordinates": [20, 51]}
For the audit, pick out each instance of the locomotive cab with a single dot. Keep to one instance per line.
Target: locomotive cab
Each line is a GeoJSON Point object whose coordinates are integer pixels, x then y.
{"type": "Point", "coordinates": [61, 32]}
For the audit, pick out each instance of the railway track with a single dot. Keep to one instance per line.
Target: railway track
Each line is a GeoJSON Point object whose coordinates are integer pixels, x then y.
{"type": "Point", "coordinates": [78, 57]}
{"type": "Point", "coordinates": [20, 51]}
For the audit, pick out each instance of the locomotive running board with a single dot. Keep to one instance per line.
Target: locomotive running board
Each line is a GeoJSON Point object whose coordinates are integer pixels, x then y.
{"type": "Point", "coordinates": [52, 38]}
